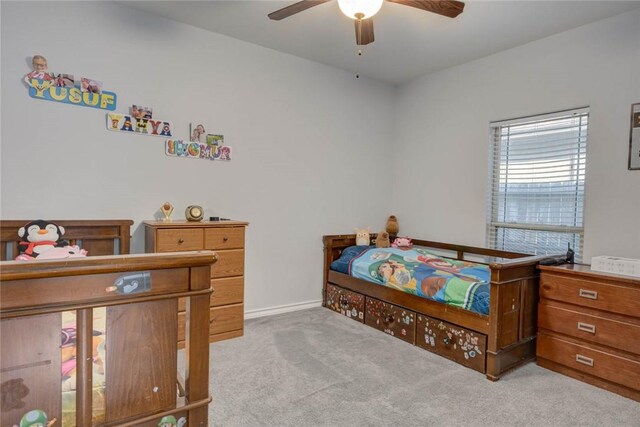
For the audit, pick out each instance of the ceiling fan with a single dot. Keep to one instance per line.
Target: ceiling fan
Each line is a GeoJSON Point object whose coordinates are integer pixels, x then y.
{"type": "Point", "coordinates": [362, 11]}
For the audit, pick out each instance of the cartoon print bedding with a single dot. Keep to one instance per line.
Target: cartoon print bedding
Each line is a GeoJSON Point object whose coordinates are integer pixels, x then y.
{"type": "Point", "coordinates": [419, 272]}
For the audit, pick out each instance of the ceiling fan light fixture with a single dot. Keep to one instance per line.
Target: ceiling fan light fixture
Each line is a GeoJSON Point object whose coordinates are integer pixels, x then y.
{"type": "Point", "coordinates": [360, 9]}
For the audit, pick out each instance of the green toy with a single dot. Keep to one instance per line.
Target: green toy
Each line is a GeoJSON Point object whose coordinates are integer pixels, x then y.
{"type": "Point", "coordinates": [36, 418]}
{"type": "Point", "coordinates": [167, 421]}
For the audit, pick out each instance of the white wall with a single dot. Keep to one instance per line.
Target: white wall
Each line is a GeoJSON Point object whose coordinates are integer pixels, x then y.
{"type": "Point", "coordinates": [442, 130]}
{"type": "Point", "coordinates": [304, 137]}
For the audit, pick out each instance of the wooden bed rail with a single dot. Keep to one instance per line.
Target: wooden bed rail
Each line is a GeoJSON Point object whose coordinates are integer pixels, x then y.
{"type": "Point", "coordinates": [345, 240]}
{"type": "Point", "coordinates": [140, 293]}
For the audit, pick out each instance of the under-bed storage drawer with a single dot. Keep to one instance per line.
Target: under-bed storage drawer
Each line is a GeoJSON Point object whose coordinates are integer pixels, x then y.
{"type": "Point", "coordinates": [393, 320]}
{"type": "Point", "coordinates": [452, 341]}
{"type": "Point", "coordinates": [350, 304]}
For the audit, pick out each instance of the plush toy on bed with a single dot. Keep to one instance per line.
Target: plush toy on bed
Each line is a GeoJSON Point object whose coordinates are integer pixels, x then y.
{"type": "Point", "coordinates": [363, 236]}
{"type": "Point", "coordinates": [402, 243]}
{"type": "Point", "coordinates": [382, 240]}
{"type": "Point", "coordinates": [39, 237]}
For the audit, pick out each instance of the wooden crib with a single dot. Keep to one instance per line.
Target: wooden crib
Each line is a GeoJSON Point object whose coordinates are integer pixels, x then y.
{"type": "Point", "coordinates": [139, 296]}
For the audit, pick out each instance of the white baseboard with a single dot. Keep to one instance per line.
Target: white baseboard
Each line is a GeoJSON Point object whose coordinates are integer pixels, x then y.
{"type": "Point", "coordinates": [262, 312]}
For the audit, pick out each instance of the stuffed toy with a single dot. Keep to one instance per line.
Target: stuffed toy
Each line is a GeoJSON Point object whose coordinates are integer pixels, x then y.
{"type": "Point", "coordinates": [64, 252]}
{"type": "Point", "coordinates": [402, 243]}
{"type": "Point", "coordinates": [382, 241]}
{"type": "Point", "coordinates": [363, 237]}
{"type": "Point", "coordinates": [39, 237]}
{"type": "Point", "coordinates": [392, 226]}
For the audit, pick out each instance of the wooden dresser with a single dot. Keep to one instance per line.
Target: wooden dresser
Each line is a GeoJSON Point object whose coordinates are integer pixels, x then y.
{"type": "Point", "coordinates": [589, 327]}
{"type": "Point", "coordinates": [226, 238]}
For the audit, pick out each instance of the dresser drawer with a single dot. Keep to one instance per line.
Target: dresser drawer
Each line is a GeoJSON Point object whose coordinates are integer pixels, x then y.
{"type": "Point", "coordinates": [594, 362]}
{"type": "Point", "coordinates": [393, 320]}
{"type": "Point", "coordinates": [230, 263]}
{"type": "Point", "coordinates": [590, 327]}
{"type": "Point", "coordinates": [601, 296]}
{"type": "Point", "coordinates": [180, 239]}
{"type": "Point", "coordinates": [224, 238]}
{"type": "Point", "coordinates": [228, 290]}
{"type": "Point", "coordinates": [452, 341]}
{"type": "Point", "coordinates": [221, 319]}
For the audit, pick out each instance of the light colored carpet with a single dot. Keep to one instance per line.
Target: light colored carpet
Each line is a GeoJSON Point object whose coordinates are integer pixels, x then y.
{"type": "Point", "coordinates": [317, 368]}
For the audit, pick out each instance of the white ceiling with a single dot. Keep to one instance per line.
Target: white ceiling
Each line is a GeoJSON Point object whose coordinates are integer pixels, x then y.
{"type": "Point", "coordinates": [408, 43]}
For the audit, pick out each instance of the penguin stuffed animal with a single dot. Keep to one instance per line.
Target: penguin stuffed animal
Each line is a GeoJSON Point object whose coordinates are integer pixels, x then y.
{"type": "Point", "coordinates": [40, 236]}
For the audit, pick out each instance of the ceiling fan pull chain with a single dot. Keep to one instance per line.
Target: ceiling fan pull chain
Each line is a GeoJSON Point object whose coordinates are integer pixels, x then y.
{"type": "Point", "coordinates": [358, 38]}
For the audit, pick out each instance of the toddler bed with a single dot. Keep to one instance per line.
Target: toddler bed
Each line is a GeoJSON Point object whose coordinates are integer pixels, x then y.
{"type": "Point", "coordinates": [481, 314]}
{"type": "Point", "coordinates": [93, 341]}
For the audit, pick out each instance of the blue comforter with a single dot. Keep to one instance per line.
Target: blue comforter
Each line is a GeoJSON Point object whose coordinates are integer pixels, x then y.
{"type": "Point", "coordinates": [419, 272]}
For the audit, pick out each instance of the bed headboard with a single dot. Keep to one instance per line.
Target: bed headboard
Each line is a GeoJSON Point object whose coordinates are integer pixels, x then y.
{"type": "Point", "coordinates": [98, 237]}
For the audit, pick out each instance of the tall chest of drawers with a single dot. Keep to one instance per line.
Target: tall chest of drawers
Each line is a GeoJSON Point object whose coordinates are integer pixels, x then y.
{"type": "Point", "coordinates": [589, 327]}
{"type": "Point", "coordinates": [226, 238]}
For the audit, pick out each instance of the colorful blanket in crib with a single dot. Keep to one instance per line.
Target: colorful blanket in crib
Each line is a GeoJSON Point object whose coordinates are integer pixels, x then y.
{"type": "Point", "coordinates": [417, 271]}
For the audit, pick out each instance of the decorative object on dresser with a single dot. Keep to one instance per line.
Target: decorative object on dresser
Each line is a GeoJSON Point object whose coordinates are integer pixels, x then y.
{"type": "Point", "coordinates": [491, 343]}
{"type": "Point", "coordinates": [194, 213]}
{"type": "Point", "coordinates": [166, 210]}
{"type": "Point", "coordinates": [616, 265]}
{"type": "Point", "coordinates": [226, 238]}
{"type": "Point", "coordinates": [589, 327]}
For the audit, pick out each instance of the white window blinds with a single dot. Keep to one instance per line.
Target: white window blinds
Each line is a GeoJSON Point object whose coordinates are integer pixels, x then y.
{"type": "Point", "coordinates": [537, 183]}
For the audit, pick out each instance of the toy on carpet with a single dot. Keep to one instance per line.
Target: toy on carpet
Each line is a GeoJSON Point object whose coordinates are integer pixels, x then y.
{"type": "Point", "coordinates": [402, 243]}
{"type": "Point", "coordinates": [382, 240]}
{"type": "Point", "coordinates": [392, 226]}
{"type": "Point", "coordinates": [363, 236]}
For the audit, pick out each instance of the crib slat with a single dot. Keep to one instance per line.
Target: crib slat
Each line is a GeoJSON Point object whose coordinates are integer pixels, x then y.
{"type": "Point", "coordinates": [84, 366]}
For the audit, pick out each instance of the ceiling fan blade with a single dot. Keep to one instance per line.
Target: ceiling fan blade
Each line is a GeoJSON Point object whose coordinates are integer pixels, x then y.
{"type": "Point", "coordinates": [450, 8]}
{"type": "Point", "coordinates": [294, 8]}
{"type": "Point", "coordinates": [364, 31]}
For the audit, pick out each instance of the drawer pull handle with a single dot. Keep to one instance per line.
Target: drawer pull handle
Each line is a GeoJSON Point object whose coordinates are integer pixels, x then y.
{"type": "Point", "coordinates": [585, 293]}
{"type": "Point", "coordinates": [388, 319]}
{"type": "Point", "coordinates": [586, 327]}
{"type": "Point", "coordinates": [224, 239]}
{"type": "Point", "coordinates": [584, 360]}
{"type": "Point", "coordinates": [344, 301]}
{"type": "Point", "coordinates": [180, 241]}
{"type": "Point", "coordinates": [447, 341]}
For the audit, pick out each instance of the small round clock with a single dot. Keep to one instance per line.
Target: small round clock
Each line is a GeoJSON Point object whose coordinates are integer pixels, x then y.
{"type": "Point", "coordinates": [194, 213]}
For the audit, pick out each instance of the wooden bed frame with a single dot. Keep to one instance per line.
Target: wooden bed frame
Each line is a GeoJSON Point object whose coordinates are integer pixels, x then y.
{"type": "Point", "coordinates": [143, 384]}
{"type": "Point", "coordinates": [510, 327]}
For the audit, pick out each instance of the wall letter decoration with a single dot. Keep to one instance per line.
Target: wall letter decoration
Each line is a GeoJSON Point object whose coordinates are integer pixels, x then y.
{"type": "Point", "coordinates": [119, 122]}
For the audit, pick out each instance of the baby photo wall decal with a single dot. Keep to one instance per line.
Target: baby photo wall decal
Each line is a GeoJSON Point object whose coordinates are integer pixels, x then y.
{"type": "Point", "coordinates": [61, 87]}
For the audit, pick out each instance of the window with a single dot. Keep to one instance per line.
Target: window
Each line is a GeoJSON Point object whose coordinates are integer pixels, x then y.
{"type": "Point", "coordinates": [537, 183]}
